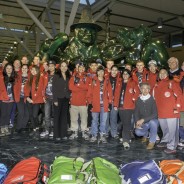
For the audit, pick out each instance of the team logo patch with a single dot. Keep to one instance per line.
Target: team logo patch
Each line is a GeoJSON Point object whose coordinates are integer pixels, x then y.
{"type": "Point", "coordinates": [167, 94]}
{"type": "Point", "coordinates": [130, 90]}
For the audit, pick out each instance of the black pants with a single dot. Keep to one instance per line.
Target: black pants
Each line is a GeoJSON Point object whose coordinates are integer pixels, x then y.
{"type": "Point", "coordinates": [5, 113]}
{"type": "Point", "coordinates": [33, 114]}
{"type": "Point", "coordinates": [60, 118]}
{"type": "Point", "coordinates": [23, 114]}
{"type": "Point", "coordinates": [125, 117]}
{"type": "Point", "coordinates": [89, 117]}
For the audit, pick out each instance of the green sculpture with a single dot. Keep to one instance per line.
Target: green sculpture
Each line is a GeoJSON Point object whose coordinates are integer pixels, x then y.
{"type": "Point", "coordinates": [133, 45]}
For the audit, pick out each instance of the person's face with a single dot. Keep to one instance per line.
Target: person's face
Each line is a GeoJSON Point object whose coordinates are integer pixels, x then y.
{"type": "Point", "coordinates": [33, 71]}
{"type": "Point", "coordinates": [152, 68]}
{"type": "Point", "coordinates": [128, 67]}
{"type": "Point", "coordinates": [36, 61]}
{"type": "Point", "coordinates": [45, 66]}
{"type": "Point", "coordinates": [173, 64]}
{"type": "Point", "coordinates": [24, 60]}
{"type": "Point", "coordinates": [140, 66]}
{"type": "Point", "coordinates": [182, 66]}
{"type": "Point", "coordinates": [51, 67]}
{"type": "Point", "coordinates": [24, 69]}
{"type": "Point", "coordinates": [9, 70]}
{"type": "Point", "coordinates": [16, 64]}
{"type": "Point", "coordinates": [145, 89]}
{"type": "Point", "coordinates": [163, 74]}
{"type": "Point", "coordinates": [109, 64]}
{"type": "Point", "coordinates": [86, 35]}
{"type": "Point", "coordinates": [100, 73]}
{"type": "Point", "coordinates": [81, 69]}
{"type": "Point", "coordinates": [125, 76]}
{"type": "Point", "coordinates": [93, 67]}
{"type": "Point", "coordinates": [114, 72]}
{"type": "Point", "coordinates": [63, 67]}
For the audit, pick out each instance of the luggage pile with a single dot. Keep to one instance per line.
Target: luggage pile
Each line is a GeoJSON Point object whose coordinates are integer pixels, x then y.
{"type": "Point", "coordinates": [65, 170]}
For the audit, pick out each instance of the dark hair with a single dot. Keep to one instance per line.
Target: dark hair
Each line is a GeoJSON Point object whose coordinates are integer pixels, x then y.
{"type": "Point", "coordinates": [37, 77]}
{"type": "Point", "coordinates": [127, 71]}
{"type": "Point", "coordinates": [114, 66]}
{"type": "Point", "coordinates": [58, 72]}
{"type": "Point", "coordinates": [25, 65]}
{"type": "Point", "coordinates": [12, 77]}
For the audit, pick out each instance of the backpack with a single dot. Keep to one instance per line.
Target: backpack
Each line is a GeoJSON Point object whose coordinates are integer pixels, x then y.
{"type": "Point", "coordinates": [67, 170]}
{"type": "Point", "coordinates": [103, 172]}
{"type": "Point", "coordinates": [28, 171]}
{"type": "Point", "coordinates": [174, 170]}
{"type": "Point", "coordinates": [140, 172]}
{"type": "Point", "coordinates": [3, 172]}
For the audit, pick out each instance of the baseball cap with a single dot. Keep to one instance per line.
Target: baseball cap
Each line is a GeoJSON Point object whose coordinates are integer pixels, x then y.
{"type": "Point", "coordinates": [152, 62]}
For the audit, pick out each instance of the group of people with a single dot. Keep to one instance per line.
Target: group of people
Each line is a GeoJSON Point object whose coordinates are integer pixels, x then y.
{"type": "Point", "coordinates": [98, 101]}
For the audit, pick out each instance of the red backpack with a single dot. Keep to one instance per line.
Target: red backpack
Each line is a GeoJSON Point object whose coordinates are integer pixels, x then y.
{"type": "Point", "coordinates": [28, 171]}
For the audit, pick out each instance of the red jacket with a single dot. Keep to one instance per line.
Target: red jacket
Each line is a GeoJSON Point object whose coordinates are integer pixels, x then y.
{"type": "Point", "coordinates": [93, 95]}
{"type": "Point", "coordinates": [79, 91]}
{"type": "Point", "coordinates": [131, 94]}
{"type": "Point", "coordinates": [37, 95]}
{"type": "Point", "coordinates": [152, 79]}
{"type": "Point", "coordinates": [144, 75]}
{"type": "Point", "coordinates": [3, 91]}
{"type": "Point", "coordinates": [167, 95]}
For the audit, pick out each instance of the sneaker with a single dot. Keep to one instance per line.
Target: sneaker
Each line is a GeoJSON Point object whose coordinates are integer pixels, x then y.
{"type": "Point", "coordinates": [126, 145]}
{"type": "Point", "coordinates": [144, 140]}
{"type": "Point", "coordinates": [169, 151]}
{"type": "Point", "coordinates": [103, 138]}
{"type": "Point", "coordinates": [121, 140]}
{"type": "Point", "coordinates": [73, 136]}
{"type": "Point", "coordinates": [116, 136]}
{"type": "Point", "coordinates": [44, 134]}
{"type": "Point", "coordinates": [157, 138]}
{"type": "Point", "coordinates": [85, 136]}
{"type": "Point", "coordinates": [7, 131]}
{"type": "Point", "coordinates": [51, 134]}
{"type": "Point", "coordinates": [180, 144]}
{"type": "Point", "coordinates": [162, 145]}
{"type": "Point", "coordinates": [2, 132]}
{"type": "Point", "coordinates": [150, 146]}
{"type": "Point", "coordinates": [93, 139]}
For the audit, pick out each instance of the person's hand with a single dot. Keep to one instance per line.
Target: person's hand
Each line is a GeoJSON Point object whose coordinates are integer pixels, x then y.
{"type": "Point", "coordinates": [29, 100]}
{"type": "Point", "coordinates": [139, 123]}
{"type": "Point", "coordinates": [56, 103]}
{"type": "Point", "coordinates": [44, 99]}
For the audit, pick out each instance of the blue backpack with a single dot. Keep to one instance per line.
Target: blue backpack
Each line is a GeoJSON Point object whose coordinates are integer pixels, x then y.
{"type": "Point", "coordinates": [3, 172]}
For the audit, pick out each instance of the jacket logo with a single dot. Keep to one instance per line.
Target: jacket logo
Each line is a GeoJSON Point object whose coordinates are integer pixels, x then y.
{"type": "Point", "coordinates": [167, 94]}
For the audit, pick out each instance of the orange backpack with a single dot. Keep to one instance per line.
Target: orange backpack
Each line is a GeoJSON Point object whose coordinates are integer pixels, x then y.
{"type": "Point", "coordinates": [174, 170]}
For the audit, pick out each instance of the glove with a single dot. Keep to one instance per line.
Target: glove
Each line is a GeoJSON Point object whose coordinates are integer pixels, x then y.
{"type": "Point", "coordinates": [76, 80]}
{"type": "Point", "coordinates": [90, 106]}
{"type": "Point", "coordinates": [110, 107]}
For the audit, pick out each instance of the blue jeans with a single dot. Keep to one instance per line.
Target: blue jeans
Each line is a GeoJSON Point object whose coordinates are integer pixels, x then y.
{"type": "Point", "coordinates": [111, 124]}
{"type": "Point", "coordinates": [49, 113]}
{"type": "Point", "coordinates": [95, 122]}
{"type": "Point", "coordinates": [150, 128]}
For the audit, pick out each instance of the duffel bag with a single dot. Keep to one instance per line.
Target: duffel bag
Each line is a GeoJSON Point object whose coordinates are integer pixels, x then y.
{"type": "Point", "coordinates": [3, 172]}
{"type": "Point", "coordinates": [174, 170]}
{"type": "Point", "coordinates": [139, 172]}
{"type": "Point", "coordinates": [103, 172]}
{"type": "Point", "coordinates": [67, 170]}
{"type": "Point", "coordinates": [28, 171]}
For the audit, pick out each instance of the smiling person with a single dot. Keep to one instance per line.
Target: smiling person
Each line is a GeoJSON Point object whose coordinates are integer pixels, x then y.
{"type": "Point", "coordinates": [146, 116]}
{"type": "Point", "coordinates": [167, 94]}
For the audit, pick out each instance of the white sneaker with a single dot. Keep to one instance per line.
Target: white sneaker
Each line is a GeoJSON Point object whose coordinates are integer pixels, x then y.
{"type": "Point", "coordinates": [44, 134]}
{"type": "Point", "coordinates": [126, 145]}
{"type": "Point", "coordinates": [180, 144]}
{"type": "Point", "coordinates": [158, 138]}
{"type": "Point", "coordinates": [85, 136]}
{"type": "Point", "coordinates": [121, 140]}
{"type": "Point", "coordinates": [51, 134]}
{"type": "Point", "coordinates": [73, 136]}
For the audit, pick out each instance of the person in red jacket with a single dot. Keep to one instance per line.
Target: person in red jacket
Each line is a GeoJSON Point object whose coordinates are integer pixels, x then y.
{"type": "Point", "coordinates": [100, 97]}
{"type": "Point", "coordinates": [35, 96]}
{"type": "Point", "coordinates": [126, 93]}
{"type": "Point", "coordinates": [139, 75]}
{"type": "Point", "coordinates": [22, 107]}
{"type": "Point", "coordinates": [152, 74]}
{"type": "Point", "coordinates": [7, 81]}
{"type": "Point", "coordinates": [109, 64]}
{"type": "Point", "coordinates": [78, 85]}
{"type": "Point", "coordinates": [167, 94]}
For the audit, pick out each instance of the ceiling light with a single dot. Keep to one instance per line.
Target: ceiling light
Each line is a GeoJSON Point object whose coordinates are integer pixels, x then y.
{"type": "Point", "coordinates": [160, 22]}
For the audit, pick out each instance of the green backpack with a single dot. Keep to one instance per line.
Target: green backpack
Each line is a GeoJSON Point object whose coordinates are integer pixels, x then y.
{"type": "Point", "coordinates": [104, 172]}
{"type": "Point", "coordinates": [67, 171]}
